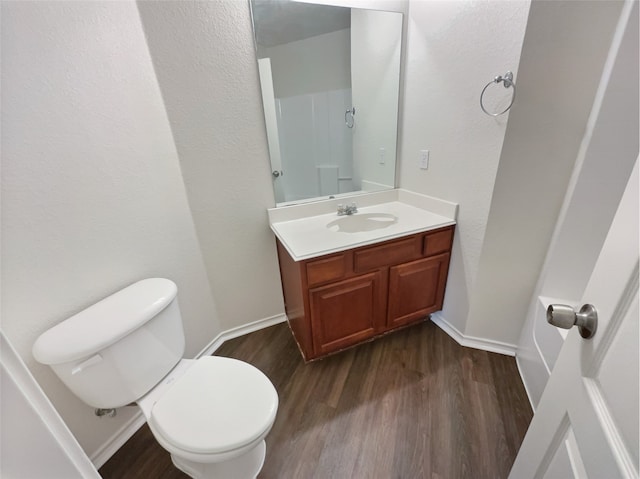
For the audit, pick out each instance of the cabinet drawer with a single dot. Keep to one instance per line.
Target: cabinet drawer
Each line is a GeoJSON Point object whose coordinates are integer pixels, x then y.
{"type": "Point", "coordinates": [326, 269]}
{"type": "Point", "coordinates": [388, 254]}
{"type": "Point", "coordinates": [439, 242]}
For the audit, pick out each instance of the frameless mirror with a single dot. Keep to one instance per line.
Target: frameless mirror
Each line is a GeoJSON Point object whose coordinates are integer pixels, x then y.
{"type": "Point", "coordinates": [330, 79]}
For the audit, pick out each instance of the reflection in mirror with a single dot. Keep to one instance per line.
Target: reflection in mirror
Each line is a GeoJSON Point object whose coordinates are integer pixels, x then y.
{"type": "Point", "coordinates": [330, 78]}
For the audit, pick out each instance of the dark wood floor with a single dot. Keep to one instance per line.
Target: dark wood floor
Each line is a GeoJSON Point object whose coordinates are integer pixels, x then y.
{"type": "Point", "coordinates": [413, 404]}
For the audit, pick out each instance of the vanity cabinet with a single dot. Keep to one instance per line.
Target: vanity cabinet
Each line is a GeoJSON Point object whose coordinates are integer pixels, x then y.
{"type": "Point", "coordinates": [342, 299]}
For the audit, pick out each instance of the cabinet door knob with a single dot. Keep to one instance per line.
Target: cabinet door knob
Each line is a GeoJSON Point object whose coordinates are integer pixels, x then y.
{"type": "Point", "coordinates": [563, 316]}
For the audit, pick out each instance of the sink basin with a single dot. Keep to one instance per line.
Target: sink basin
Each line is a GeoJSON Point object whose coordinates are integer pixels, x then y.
{"type": "Point", "coordinates": [362, 222]}
{"type": "Point", "coordinates": [325, 232]}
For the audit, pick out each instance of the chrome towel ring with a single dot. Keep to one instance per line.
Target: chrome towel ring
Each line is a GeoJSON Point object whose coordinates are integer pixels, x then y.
{"type": "Point", "coordinates": [350, 114]}
{"type": "Point", "coordinates": [507, 81]}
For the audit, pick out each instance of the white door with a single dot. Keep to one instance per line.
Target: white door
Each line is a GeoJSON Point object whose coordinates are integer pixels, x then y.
{"type": "Point", "coordinates": [586, 424]}
{"type": "Point", "coordinates": [271, 122]}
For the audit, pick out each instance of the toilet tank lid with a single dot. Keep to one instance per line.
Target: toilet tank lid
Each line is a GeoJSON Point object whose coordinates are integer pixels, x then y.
{"type": "Point", "coordinates": [105, 322]}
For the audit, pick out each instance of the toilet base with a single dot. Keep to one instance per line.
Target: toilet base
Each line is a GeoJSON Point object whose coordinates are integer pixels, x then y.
{"type": "Point", "coordinates": [245, 466]}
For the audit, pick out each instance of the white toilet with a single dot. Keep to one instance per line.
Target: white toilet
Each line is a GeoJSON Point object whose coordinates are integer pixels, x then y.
{"type": "Point", "coordinates": [212, 414]}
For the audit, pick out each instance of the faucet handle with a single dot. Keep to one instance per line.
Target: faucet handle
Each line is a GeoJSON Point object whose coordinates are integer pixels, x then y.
{"type": "Point", "coordinates": [353, 207]}
{"type": "Point", "coordinates": [341, 209]}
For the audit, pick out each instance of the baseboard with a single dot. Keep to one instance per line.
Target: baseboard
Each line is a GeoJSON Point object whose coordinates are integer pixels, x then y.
{"type": "Point", "coordinates": [240, 331]}
{"type": "Point", "coordinates": [471, 341]}
{"type": "Point", "coordinates": [115, 442]}
{"type": "Point", "coordinates": [524, 383]}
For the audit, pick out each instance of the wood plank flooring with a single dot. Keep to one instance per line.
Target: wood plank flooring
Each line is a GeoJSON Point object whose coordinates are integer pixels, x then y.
{"type": "Point", "coordinates": [413, 404]}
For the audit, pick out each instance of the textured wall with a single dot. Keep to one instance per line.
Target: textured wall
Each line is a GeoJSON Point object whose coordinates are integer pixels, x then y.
{"type": "Point", "coordinates": [206, 66]}
{"type": "Point", "coordinates": [543, 138]}
{"type": "Point", "coordinates": [454, 49]}
{"type": "Point", "coordinates": [92, 194]}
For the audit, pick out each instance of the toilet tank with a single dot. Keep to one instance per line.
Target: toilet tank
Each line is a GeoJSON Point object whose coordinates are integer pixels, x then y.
{"type": "Point", "coordinates": [114, 352]}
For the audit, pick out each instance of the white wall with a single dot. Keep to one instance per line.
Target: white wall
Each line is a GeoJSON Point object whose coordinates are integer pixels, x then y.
{"type": "Point", "coordinates": [206, 66]}
{"type": "Point", "coordinates": [375, 77]}
{"type": "Point", "coordinates": [454, 49]}
{"type": "Point", "coordinates": [92, 193]}
{"type": "Point", "coordinates": [546, 127]}
{"type": "Point", "coordinates": [315, 64]}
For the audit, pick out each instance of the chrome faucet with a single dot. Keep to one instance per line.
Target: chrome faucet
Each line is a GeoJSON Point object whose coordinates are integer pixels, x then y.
{"type": "Point", "coordinates": [347, 209]}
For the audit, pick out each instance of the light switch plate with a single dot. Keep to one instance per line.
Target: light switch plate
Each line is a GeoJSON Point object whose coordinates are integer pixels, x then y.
{"type": "Point", "coordinates": [424, 159]}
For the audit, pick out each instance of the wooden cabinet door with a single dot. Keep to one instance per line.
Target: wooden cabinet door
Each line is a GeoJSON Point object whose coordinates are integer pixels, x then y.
{"type": "Point", "coordinates": [347, 312]}
{"type": "Point", "coordinates": [416, 289]}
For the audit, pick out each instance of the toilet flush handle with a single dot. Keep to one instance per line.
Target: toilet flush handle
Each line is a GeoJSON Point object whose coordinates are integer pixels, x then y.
{"type": "Point", "coordinates": [95, 359]}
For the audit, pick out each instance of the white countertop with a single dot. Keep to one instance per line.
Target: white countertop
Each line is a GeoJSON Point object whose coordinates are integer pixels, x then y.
{"type": "Point", "coordinates": [312, 236]}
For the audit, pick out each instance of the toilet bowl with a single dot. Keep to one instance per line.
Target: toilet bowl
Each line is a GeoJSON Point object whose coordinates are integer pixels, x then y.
{"type": "Point", "coordinates": [211, 414]}
{"type": "Point", "coordinates": [206, 428]}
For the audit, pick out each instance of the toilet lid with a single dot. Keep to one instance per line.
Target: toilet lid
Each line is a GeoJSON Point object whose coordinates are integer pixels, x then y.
{"type": "Point", "coordinates": [218, 405]}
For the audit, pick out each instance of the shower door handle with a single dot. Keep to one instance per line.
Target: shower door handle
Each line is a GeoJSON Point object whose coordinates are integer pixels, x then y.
{"type": "Point", "coordinates": [563, 316]}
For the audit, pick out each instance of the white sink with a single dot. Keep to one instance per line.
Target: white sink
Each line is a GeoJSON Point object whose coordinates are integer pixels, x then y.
{"type": "Point", "coordinates": [357, 223]}
{"type": "Point", "coordinates": [314, 236]}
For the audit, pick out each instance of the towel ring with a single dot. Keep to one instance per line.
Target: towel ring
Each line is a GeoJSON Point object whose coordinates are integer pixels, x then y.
{"type": "Point", "coordinates": [351, 113]}
{"type": "Point", "coordinates": [507, 81]}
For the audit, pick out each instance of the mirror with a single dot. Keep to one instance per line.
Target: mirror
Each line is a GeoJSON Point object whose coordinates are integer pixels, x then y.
{"type": "Point", "coordinates": [330, 79]}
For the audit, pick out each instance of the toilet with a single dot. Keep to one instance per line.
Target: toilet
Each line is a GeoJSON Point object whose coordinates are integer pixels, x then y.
{"type": "Point", "coordinates": [211, 414]}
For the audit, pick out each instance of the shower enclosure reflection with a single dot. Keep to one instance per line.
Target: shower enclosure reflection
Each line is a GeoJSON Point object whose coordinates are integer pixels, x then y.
{"type": "Point", "coordinates": [330, 79]}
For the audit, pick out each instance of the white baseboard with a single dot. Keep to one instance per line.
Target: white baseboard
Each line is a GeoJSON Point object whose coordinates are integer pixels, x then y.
{"type": "Point", "coordinates": [115, 442]}
{"type": "Point", "coordinates": [240, 331]}
{"type": "Point", "coordinates": [471, 341]}
{"type": "Point", "coordinates": [524, 382]}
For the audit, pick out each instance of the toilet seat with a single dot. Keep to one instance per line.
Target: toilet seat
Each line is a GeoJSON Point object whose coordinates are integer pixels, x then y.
{"type": "Point", "coordinates": [217, 406]}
